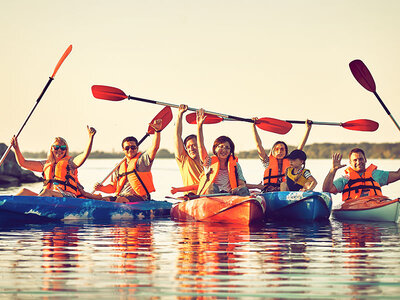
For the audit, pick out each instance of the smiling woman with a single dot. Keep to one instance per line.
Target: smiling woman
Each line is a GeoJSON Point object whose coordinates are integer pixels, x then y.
{"type": "Point", "coordinates": [223, 172]}
{"type": "Point", "coordinates": [59, 169]}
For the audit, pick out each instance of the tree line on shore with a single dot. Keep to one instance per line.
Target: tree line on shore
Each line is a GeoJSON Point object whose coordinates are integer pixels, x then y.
{"type": "Point", "coordinates": [318, 150]}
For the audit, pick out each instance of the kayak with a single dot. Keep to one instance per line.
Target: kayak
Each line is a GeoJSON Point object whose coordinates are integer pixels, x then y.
{"type": "Point", "coordinates": [298, 206]}
{"type": "Point", "coordinates": [370, 208]}
{"type": "Point", "coordinates": [231, 209]}
{"type": "Point", "coordinates": [33, 209]}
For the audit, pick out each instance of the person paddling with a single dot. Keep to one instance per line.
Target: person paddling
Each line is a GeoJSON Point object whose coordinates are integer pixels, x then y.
{"type": "Point", "coordinates": [358, 180]}
{"type": "Point", "coordinates": [133, 180]}
{"type": "Point", "coordinates": [222, 172]}
{"type": "Point", "coordinates": [276, 162]}
{"type": "Point", "coordinates": [187, 154]}
{"type": "Point", "coordinates": [59, 170]}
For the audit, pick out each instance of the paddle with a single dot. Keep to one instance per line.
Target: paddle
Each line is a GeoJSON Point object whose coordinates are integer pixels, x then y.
{"type": "Point", "coordinates": [51, 78]}
{"type": "Point", "coordinates": [364, 77]}
{"type": "Point", "coordinates": [114, 94]}
{"type": "Point", "coordinates": [166, 115]}
{"type": "Point", "coordinates": [360, 124]}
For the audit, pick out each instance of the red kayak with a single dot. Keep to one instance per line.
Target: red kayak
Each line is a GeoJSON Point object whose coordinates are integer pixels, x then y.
{"type": "Point", "coordinates": [371, 208]}
{"type": "Point", "coordinates": [221, 209]}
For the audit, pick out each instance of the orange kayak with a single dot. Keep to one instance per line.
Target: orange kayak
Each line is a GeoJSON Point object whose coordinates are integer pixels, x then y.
{"type": "Point", "coordinates": [370, 208]}
{"type": "Point", "coordinates": [221, 209]}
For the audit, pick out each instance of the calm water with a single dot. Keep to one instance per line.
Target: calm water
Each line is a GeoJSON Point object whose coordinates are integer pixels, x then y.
{"type": "Point", "coordinates": [163, 259]}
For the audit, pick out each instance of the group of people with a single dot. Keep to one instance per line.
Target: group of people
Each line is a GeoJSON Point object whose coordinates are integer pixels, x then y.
{"type": "Point", "coordinates": [202, 174]}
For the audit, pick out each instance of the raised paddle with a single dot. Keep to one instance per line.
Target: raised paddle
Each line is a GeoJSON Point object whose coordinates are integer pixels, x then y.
{"type": "Point", "coordinates": [114, 94]}
{"type": "Point", "coordinates": [360, 124]}
{"type": "Point", "coordinates": [364, 77]}
{"type": "Point", "coordinates": [51, 78]}
{"type": "Point", "coordinates": [165, 115]}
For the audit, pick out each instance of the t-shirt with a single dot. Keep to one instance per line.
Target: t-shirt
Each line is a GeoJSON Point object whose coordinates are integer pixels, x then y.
{"type": "Point", "coordinates": [143, 165]}
{"type": "Point", "coordinates": [189, 168]}
{"type": "Point", "coordinates": [379, 176]}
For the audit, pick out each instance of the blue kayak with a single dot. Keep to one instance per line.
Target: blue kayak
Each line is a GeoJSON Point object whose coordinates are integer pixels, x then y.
{"type": "Point", "coordinates": [33, 209]}
{"type": "Point", "coordinates": [298, 206]}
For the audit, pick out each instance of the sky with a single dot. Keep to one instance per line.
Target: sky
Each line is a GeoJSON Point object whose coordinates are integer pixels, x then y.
{"type": "Point", "coordinates": [283, 59]}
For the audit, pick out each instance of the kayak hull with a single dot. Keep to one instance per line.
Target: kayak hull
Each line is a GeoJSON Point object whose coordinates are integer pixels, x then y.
{"type": "Point", "coordinates": [371, 208]}
{"type": "Point", "coordinates": [32, 209]}
{"type": "Point", "coordinates": [298, 206]}
{"type": "Point", "coordinates": [221, 209]}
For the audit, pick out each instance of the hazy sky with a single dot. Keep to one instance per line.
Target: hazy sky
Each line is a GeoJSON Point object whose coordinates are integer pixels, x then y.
{"type": "Point", "coordinates": [280, 59]}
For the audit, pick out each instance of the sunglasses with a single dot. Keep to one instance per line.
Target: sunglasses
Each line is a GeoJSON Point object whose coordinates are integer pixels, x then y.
{"type": "Point", "coordinates": [62, 147]}
{"type": "Point", "coordinates": [130, 147]}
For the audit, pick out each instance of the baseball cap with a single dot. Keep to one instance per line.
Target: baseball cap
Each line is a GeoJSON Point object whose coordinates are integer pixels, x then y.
{"type": "Point", "coordinates": [297, 154]}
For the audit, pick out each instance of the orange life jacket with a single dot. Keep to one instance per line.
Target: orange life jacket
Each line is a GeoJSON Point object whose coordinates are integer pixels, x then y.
{"type": "Point", "coordinates": [272, 174]}
{"type": "Point", "coordinates": [359, 183]}
{"type": "Point", "coordinates": [62, 175]}
{"type": "Point", "coordinates": [207, 179]}
{"type": "Point", "coordinates": [141, 182]}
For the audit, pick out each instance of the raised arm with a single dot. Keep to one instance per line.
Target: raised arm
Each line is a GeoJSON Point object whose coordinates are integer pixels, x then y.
{"type": "Point", "coordinates": [200, 117]}
{"type": "Point", "coordinates": [152, 151]}
{"type": "Point", "coordinates": [179, 146]}
{"type": "Point", "coordinates": [260, 149]}
{"type": "Point", "coordinates": [328, 185]}
{"type": "Point", "coordinates": [32, 165]}
{"type": "Point", "coordinates": [306, 134]}
{"type": "Point", "coordinates": [81, 158]}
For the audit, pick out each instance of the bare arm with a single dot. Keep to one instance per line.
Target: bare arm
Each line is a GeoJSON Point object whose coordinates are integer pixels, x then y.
{"type": "Point", "coordinates": [306, 134]}
{"type": "Point", "coordinates": [394, 176]}
{"type": "Point", "coordinates": [81, 158]}
{"type": "Point", "coordinates": [152, 151]}
{"type": "Point", "coordinates": [187, 188]}
{"type": "Point", "coordinates": [32, 165]}
{"type": "Point", "coordinates": [179, 146]}
{"type": "Point", "coordinates": [260, 149]}
{"type": "Point", "coordinates": [328, 185]}
{"type": "Point", "coordinates": [310, 184]}
{"type": "Point", "coordinates": [200, 117]}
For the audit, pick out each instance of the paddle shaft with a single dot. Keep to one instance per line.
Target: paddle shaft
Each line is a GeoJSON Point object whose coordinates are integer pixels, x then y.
{"type": "Point", "coordinates": [190, 108]}
{"type": "Point", "coordinates": [51, 78]}
{"type": "Point", "coordinates": [386, 109]}
{"type": "Point", "coordinates": [314, 122]}
{"type": "Point", "coordinates": [26, 120]}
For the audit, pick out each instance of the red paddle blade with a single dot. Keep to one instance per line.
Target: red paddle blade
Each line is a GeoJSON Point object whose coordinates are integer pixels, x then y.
{"type": "Point", "coordinates": [361, 125]}
{"type": "Point", "coordinates": [108, 93]}
{"type": "Point", "coordinates": [274, 125]}
{"type": "Point", "coordinates": [165, 115]}
{"type": "Point", "coordinates": [210, 119]}
{"type": "Point", "coordinates": [362, 75]}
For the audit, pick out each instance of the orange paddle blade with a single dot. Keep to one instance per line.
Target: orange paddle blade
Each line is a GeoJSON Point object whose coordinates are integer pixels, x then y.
{"type": "Point", "coordinates": [108, 93]}
{"type": "Point", "coordinates": [66, 53]}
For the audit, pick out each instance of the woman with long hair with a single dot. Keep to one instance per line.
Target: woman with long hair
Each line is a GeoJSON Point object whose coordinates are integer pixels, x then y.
{"type": "Point", "coordinates": [60, 171]}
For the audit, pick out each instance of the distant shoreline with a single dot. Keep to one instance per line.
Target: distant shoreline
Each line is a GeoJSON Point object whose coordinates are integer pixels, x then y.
{"type": "Point", "coordinates": [322, 150]}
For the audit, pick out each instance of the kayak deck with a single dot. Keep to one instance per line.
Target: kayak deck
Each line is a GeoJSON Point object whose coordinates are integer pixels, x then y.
{"type": "Point", "coordinates": [33, 208]}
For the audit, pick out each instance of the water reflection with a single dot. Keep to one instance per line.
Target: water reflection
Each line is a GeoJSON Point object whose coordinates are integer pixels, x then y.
{"type": "Point", "coordinates": [59, 255]}
{"type": "Point", "coordinates": [363, 244]}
